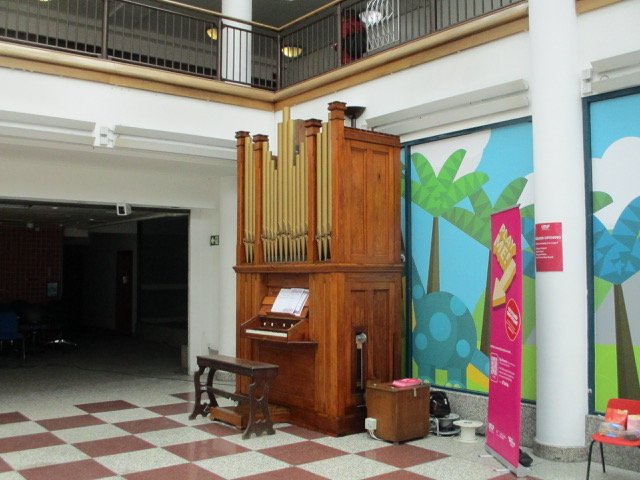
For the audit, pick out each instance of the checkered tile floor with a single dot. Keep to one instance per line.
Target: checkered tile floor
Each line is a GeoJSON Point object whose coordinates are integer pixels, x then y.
{"type": "Point", "coordinates": [106, 411]}
{"type": "Point", "coordinates": [118, 439]}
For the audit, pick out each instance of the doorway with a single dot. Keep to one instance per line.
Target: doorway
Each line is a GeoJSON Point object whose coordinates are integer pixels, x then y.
{"type": "Point", "coordinates": [124, 292]}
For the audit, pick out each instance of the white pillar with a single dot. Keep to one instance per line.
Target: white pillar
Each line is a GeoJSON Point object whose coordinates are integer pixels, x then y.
{"type": "Point", "coordinates": [204, 281]}
{"type": "Point", "coordinates": [561, 297]}
{"type": "Point", "coordinates": [236, 42]}
{"type": "Point", "coordinates": [227, 195]}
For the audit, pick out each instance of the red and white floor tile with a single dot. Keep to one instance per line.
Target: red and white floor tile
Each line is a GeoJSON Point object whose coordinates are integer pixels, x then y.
{"type": "Point", "coordinates": [119, 439]}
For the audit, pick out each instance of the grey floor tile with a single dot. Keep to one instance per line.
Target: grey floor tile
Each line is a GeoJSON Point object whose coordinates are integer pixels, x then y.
{"type": "Point", "coordinates": [241, 464]}
{"type": "Point", "coordinates": [348, 467]}
{"type": "Point", "coordinates": [140, 460]}
{"type": "Point", "coordinates": [40, 457]}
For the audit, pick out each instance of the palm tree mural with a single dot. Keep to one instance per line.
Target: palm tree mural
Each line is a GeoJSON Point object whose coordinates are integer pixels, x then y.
{"type": "Point", "coordinates": [616, 258]}
{"type": "Point", "coordinates": [444, 336]}
{"type": "Point", "coordinates": [477, 224]}
{"type": "Point", "coordinates": [437, 195]}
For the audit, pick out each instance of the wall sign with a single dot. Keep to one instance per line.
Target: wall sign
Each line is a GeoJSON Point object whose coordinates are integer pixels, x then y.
{"type": "Point", "coordinates": [549, 247]}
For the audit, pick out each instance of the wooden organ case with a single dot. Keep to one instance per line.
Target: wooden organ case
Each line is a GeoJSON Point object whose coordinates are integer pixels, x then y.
{"type": "Point", "coordinates": [322, 215]}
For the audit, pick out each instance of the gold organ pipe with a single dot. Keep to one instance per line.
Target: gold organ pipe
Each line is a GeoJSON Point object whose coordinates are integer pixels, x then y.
{"type": "Point", "coordinates": [283, 188]}
{"type": "Point", "coordinates": [274, 206]}
{"type": "Point", "coordinates": [304, 213]}
{"type": "Point", "coordinates": [321, 148]}
{"type": "Point", "coordinates": [299, 205]}
{"type": "Point", "coordinates": [278, 189]}
{"type": "Point", "coordinates": [272, 214]}
{"type": "Point", "coordinates": [265, 213]}
{"type": "Point", "coordinates": [319, 193]}
{"type": "Point", "coordinates": [325, 191]}
{"type": "Point", "coordinates": [294, 206]}
{"type": "Point", "coordinates": [289, 189]}
{"type": "Point", "coordinates": [299, 186]}
{"type": "Point", "coordinates": [285, 195]}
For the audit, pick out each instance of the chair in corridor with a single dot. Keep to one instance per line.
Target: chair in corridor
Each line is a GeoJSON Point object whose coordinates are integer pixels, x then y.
{"type": "Point", "coordinates": [9, 331]}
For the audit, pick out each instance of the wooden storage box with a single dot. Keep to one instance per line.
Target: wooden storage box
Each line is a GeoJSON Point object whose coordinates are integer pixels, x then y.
{"type": "Point", "coordinates": [401, 413]}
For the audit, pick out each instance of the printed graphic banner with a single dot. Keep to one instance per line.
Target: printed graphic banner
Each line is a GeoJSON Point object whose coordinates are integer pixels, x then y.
{"type": "Point", "coordinates": [503, 420]}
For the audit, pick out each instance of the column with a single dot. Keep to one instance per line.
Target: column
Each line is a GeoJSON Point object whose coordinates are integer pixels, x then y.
{"type": "Point", "coordinates": [205, 273]}
{"type": "Point", "coordinates": [561, 297]}
{"type": "Point", "coordinates": [227, 197]}
{"type": "Point", "coordinates": [236, 42]}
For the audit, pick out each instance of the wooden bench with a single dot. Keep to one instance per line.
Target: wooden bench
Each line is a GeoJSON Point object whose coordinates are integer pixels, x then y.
{"type": "Point", "coordinates": [261, 374]}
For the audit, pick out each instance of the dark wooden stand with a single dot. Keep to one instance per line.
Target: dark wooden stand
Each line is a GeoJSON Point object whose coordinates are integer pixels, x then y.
{"type": "Point", "coordinates": [261, 375]}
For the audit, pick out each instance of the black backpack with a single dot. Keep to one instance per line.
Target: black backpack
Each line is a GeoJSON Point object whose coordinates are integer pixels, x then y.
{"type": "Point", "coordinates": [439, 404]}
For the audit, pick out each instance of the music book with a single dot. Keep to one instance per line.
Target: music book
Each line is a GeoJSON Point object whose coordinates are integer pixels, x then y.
{"type": "Point", "coordinates": [290, 300]}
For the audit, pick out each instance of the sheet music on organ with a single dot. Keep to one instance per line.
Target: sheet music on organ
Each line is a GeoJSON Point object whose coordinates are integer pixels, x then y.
{"type": "Point", "coordinates": [290, 300]}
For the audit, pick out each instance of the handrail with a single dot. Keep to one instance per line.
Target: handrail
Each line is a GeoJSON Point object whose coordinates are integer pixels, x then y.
{"type": "Point", "coordinates": [244, 52]}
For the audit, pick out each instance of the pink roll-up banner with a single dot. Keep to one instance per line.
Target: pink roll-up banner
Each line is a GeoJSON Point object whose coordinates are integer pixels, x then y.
{"type": "Point", "coordinates": [503, 419]}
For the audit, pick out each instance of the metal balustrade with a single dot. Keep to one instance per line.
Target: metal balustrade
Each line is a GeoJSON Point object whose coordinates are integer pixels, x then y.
{"type": "Point", "coordinates": [202, 43]}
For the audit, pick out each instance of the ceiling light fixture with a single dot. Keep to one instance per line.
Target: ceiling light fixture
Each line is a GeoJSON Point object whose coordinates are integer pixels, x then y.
{"type": "Point", "coordinates": [371, 17]}
{"type": "Point", "coordinates": [291, 51]}
{"type": "Point", "coordinates": [212, 32]}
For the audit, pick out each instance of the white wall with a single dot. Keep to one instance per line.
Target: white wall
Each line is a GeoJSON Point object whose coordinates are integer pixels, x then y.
{"type": "Point", "coordinates": [110, 105]}
{"type": "Point", "coordinates": [227, 257]}
{"type": "Point", "coordinates": [462, 72]}
{"type": "Point", "coordinates": [609, 31]}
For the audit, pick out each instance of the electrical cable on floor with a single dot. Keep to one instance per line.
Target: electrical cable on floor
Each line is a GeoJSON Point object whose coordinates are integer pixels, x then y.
{"type": "Point", "coordinates": [373, 435]}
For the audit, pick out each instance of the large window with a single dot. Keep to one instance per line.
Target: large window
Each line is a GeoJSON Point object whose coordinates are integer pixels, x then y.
{"type": "Point", "coordinates": [456, 182]}
{"type": "Point", "coordinates": [613, 162]}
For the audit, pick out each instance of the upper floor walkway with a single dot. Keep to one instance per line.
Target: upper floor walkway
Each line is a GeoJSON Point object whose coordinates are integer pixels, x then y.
{"type": "Point", "coordinates": [167, 46]}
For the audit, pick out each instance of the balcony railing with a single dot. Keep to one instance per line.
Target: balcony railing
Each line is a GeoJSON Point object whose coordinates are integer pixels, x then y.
{"type": "Point", "coordinates": [205, 44]}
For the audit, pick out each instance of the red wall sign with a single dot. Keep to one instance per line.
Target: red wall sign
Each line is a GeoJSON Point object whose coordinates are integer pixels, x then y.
{"type": "Point", "coordinates": [549, 247]}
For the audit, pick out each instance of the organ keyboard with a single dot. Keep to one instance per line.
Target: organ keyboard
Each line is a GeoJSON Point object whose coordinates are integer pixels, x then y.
{"type": "Point", "coordinates": [277, 326]}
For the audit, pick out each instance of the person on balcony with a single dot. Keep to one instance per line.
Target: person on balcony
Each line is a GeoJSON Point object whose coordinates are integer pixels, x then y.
{"type": "Point", "coordinates": [353, 35]}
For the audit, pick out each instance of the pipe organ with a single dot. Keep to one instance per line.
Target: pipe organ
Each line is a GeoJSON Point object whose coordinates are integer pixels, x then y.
{"type": "Point", "coordinates": [323, 215]}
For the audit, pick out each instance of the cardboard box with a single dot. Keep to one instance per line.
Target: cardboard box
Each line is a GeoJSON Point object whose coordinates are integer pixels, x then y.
{"type": "Point", "coordinates": [401, 413]}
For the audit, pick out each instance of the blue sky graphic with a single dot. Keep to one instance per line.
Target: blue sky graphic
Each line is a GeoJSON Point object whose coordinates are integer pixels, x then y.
{"type": "Point", "coordinates": [463, 261]}
{"type": "Point", "coordinates": [614, 119]}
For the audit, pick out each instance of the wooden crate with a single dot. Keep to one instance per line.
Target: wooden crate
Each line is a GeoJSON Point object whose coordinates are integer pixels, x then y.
{"type": "Point", "coordinates": [401, 413]}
